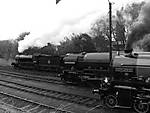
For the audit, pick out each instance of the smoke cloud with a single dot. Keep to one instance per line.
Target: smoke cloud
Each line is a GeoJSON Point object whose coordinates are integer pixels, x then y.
{"type": "Point", "coordinates": [69, 16]}
{"type": "Point", "coordinates": [50, 23]}
{"type": "Point", "coordinates": [140, 28]}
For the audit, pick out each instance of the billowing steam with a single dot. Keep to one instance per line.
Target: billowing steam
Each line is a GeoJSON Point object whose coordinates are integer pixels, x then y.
{"type": "Point", "coordinates": [140, 28]}
{"type": "Point", "coordinates": [69, 16]}
{"type": "Point", "coordinates": [50, 23]}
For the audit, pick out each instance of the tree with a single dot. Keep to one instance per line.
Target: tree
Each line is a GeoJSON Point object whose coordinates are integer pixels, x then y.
{"type": "Point", "coordinates": [49, 49]}
{"type": "Point", "coordinates": [100, 34]}
{"type": "Point", "coordinates": [131, 13]}
{"type": "Point", "coordinates": [119, 30]}
{"type": "Point", "coordinates": [31, 51]}
{"type": "Point", "coordinates": [84, 43]}
{"type": "Point", "coordinates": [132, 10]}
{"type": "Point", "coordinates": [101, 44]}
{"type": "Point", "coordinates": [8, 49]}
{"type": "Point", "coordinates": [76, 44]}
{"type": "Point", "coordinates": [121, 25]}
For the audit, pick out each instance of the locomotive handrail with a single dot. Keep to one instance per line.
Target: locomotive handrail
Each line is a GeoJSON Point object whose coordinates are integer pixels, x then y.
{"type": "Point", "coordinates": [135, 65]}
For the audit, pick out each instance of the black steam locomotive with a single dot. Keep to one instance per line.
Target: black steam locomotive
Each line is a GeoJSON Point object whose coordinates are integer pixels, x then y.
{"type": "Point", "coordinates": [72, 67]}
{"type": "Point", "coordinates": [125, 82]}
{"type": "Point", "coordinates": [38, 62]}
{"type": "Point", "coordinates": [89, 66]}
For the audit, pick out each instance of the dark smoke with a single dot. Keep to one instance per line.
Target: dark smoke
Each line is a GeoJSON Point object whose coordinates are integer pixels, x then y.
{"type": "Point", "coordinates": [22, 36]}
{"type": "Point", "coordinates": [140, 28]}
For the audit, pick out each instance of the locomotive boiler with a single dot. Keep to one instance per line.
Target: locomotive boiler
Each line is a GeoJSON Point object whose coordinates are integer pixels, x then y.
{"type": "Point", "coordinates": [87, 67]}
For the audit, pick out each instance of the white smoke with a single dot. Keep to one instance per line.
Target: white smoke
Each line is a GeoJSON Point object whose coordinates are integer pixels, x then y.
{"type": "Point", "coordinates": [68, 16]}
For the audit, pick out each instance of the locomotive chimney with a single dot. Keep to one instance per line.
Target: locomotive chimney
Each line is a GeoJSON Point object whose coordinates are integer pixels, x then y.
{"type": "Point", "coordinates": [128, 48]}
{"type": "Point", "coordinates": [128, 51]}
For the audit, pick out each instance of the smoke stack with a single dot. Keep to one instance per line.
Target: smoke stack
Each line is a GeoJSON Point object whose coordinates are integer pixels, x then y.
{"type": "Point", "coordinates": [128, 51]}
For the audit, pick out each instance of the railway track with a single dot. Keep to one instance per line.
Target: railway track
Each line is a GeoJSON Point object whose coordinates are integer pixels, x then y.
{"type": "Point", "coordinates": [27, 71]}
{"type": "Point", "coordinates": [38, 78]}
{"type": "Point", "coordinates": [23, 105]}
{"type": "Point", "coordinates": [74, 98]}
{"type": "Point", "coordinates": [29, 106]}
{"type": "Point", "coordinates": [69, 98]}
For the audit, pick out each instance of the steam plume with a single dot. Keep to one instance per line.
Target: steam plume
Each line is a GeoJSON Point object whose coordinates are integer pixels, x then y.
{"type": "Point", "coordinates": [140, 28]}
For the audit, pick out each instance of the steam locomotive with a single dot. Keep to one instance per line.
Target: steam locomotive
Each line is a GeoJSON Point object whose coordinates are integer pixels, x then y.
{"type": "Point", "coordinates": [38, 62]}
{"type": "Point", "coordinates": [89, 66]}
{"type": "Point", "coordinates": [124, 82]}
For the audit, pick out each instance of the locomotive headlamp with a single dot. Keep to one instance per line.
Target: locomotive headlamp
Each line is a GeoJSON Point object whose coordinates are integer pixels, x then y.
{"type": "Point", "coordinates": [96, 91]}
{"type": "Point", "coordinates": [106, 80]}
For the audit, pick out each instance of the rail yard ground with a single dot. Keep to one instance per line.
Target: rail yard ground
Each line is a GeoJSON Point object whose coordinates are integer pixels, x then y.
{"type": "Point", "coordinates": [8, 104]}
{"type": "Point", "coordinates": [4, 62]}
{"type": "Point", "coordinates": [5, 108]}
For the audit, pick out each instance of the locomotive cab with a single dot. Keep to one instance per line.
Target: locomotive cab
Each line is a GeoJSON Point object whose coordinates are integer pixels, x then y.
{"type": "Point", "coordinates": [71, 69]}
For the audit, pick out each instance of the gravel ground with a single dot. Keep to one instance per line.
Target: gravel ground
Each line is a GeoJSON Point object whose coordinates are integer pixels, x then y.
{"type": "Point", "coordinates": [4, 108]}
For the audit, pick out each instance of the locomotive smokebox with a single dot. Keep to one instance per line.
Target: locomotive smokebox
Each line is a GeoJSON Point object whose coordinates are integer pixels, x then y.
{"type": "Point", "coordinates": [128, 51]}
{"type": "Point", "coordinates": [128, 48]}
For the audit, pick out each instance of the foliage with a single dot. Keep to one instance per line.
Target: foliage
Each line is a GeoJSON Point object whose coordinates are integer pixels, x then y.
{"type": "Point", "coordinates": [49, 49]}
{"type": "Point", "coordinates": [121, 25]}
{"type": "Point", "coordinates": [132, 11]}
{"type": "Point", "coordinates": [119, 30]}
{"type": "Point", "coordinates": [76, 44]}
{"type": "Point", "coordinates": [8, 49]}
{"type": "Point", "coordinates": [100, 34]}
{"type": "Point", "coordinates": [31, 51]}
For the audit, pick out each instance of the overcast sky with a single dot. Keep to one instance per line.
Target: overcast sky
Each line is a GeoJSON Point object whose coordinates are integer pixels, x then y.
{"type": "Point", "coordinates": [47, 21]}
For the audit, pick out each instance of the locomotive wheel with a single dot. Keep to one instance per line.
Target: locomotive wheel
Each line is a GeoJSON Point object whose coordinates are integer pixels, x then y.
{"type": "Point", "coordinates": [111, 101]}
{"type": "Point", "coordinates": [141, 107]}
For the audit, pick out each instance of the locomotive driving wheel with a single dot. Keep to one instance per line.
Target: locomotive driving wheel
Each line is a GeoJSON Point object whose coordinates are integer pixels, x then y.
{"type": "Point", "coordinates": [141, 107]}
{"type": "Point", "coordinates": [111, 101]}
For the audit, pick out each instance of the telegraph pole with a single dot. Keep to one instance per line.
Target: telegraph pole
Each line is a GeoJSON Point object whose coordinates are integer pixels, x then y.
{"type": "Point", "coordinates": [110, 33]}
